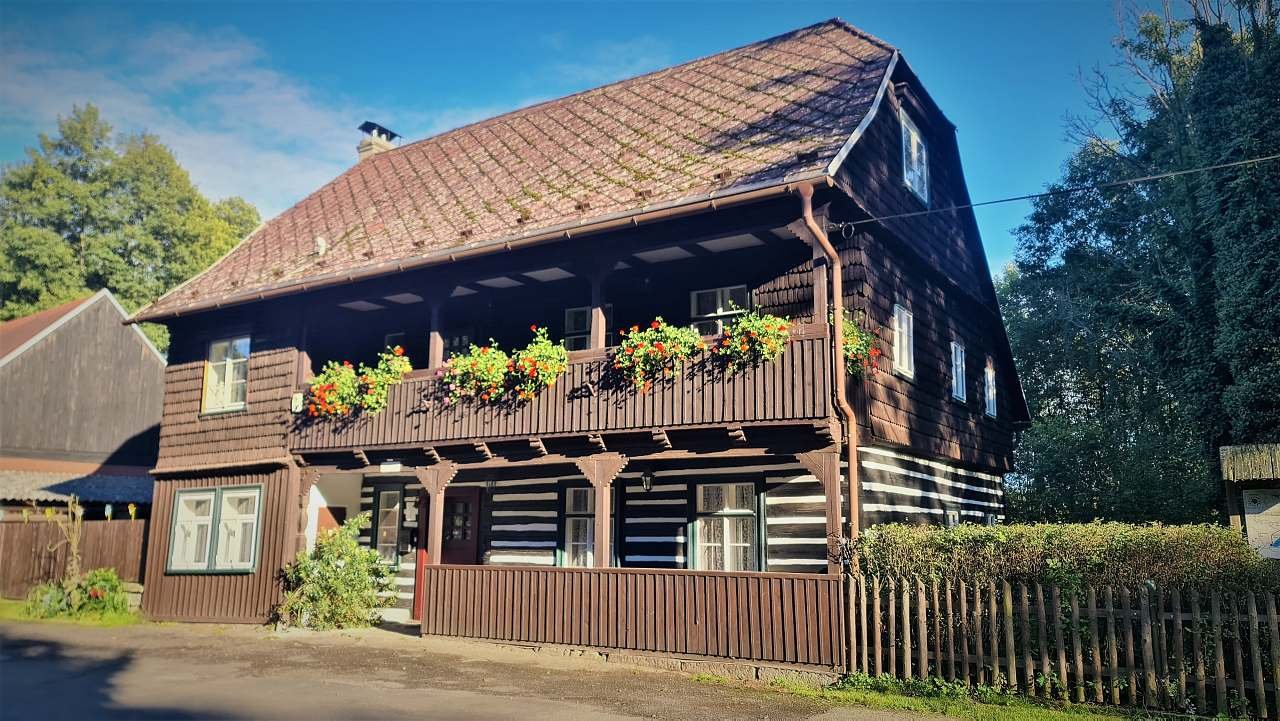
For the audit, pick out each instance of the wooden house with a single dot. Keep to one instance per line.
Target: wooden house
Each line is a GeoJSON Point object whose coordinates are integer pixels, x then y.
{"type": "Point", "coordinates": [809, 175]}
{"type": "Point", "coordinates": [81, 393]}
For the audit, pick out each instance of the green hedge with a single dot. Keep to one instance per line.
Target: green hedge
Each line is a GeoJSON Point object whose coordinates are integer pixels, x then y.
{"type": "Point", "coordinates": [1069, 555]}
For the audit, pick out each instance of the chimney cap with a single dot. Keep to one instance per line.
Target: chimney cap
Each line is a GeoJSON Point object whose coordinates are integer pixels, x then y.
{"type": "Point", "coordinates": [369, 127]}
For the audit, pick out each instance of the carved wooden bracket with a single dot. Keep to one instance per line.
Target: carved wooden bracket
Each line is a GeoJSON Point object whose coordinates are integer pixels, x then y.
{"type": "Point", "coordinates": [436, 477]}
{"type": "Point", "coordinates": [601, 468]}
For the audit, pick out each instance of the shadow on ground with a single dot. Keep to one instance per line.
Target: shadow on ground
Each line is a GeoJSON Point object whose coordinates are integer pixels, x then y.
{"type": "Point", "coordinates": [42, 679]}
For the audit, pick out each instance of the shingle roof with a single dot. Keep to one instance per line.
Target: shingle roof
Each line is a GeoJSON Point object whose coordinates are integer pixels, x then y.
{"type": "Point", "coordinates": [764, 114]}
{"type": "Point", "coordinates": [59, 486]}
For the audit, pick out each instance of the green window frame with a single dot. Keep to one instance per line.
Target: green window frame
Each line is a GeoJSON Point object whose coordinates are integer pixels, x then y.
{"type": "Point", "coordinates": [200, 537]}
{"type": "Point", "coordinates": [375, 541]}
{"type": "Point", "coordinates": [729, 516]}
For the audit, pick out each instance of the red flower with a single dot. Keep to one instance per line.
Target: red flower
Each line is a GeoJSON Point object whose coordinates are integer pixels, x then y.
{"type": "Point", "coordinates": [534, 327]}
{"type": "Point", "coordinates": [630, 350]}
{"type": "Point", "coordinates": [654, 325]}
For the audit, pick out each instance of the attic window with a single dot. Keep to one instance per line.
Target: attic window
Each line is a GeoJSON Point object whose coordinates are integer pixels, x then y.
{"type": "Point", "coordinates": [723, 176]}
{"type": "Point", "coordinates": [582, 205]}
{"type": "Point", "coordinates": [467, 233]}
{"type": "Point", "coordinates": [915, 159]}
{"type": "Point", "coordinates": [644, 193]}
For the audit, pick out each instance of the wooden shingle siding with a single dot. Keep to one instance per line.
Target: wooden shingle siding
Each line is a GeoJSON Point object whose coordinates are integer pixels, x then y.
{"type": "Point", "coordinates": [920, 413]}
{"type": "Point", "coordinates": [190, 439]}
{"type": "Point", "coordinates": [796, 387]}
{"type": "Point", "coordinates": [223, 597]}
{"type": "Point", "coordinates": [900, 488]}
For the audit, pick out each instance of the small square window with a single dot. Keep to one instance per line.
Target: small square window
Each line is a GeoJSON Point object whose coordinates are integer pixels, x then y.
{"type": "Point", "coordinates": [915, 159]}
{"type": "Point", "coordinates": [226, 376]}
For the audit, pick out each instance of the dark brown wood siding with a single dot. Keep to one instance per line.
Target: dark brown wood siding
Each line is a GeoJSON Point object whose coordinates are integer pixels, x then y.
{"type": "Point", "coordinates": [920, 413]}
{"type": "Point", "coordinates": [91, 390]}
{"type": "Point", "coordinates": [226, 597]}
{"type": "Point", "coordinates": [796, 387]}
{"type": "Point", "coordinates": [768, 617]}
{"type": "Point", "coordinates": [32, 553]}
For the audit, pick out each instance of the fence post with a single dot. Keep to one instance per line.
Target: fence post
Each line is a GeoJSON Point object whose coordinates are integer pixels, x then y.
{"type": "Point", "coordinates": [922, 631]}
{"type": "Point", "coordinates": [1010, 652]}
{"type": "Point", "coordinates": [1255, 656]}
{"type": "Point", "coordinates": [1179, 654]}
{"type": "Point", "coordinates": [1150, 693]}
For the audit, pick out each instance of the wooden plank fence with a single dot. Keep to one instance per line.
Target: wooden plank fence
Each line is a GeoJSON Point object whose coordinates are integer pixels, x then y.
{"type": "Point", "coordinates": [784, 618]}
{"type": "Point", "coordinates": [1191, 650]}
{"type": "Point", "coordinates": [26, 558]}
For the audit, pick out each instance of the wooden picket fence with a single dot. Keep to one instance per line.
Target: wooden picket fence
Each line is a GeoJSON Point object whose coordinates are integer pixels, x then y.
{"type": "Point", "coordinates": [33, 553]}
{"type": "Point", "coordinates": [1192, 650]}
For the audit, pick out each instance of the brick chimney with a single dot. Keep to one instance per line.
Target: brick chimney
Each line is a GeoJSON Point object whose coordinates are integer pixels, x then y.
{"type": "Point", "coordinates": [377, 139]}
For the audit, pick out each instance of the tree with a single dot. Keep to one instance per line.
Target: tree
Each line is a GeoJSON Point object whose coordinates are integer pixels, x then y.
{"type": "Point", "coordinates": [1144, 316]}
{"type": "Point", "coordinates": [85, 213]}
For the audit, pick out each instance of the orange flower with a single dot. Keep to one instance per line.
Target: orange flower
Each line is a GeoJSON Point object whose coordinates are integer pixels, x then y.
{"type": "Point", "coordinates": [635, 329]}
{"type": "Point", "coordinates": [398, 351]}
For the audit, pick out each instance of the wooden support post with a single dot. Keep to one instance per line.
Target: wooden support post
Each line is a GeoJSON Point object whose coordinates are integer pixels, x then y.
{"type": "Point", "coordinates": [819, 285]}
{"type": "Point", "coordinates": [601, 469]}
{"type": "Point", "coordinates": [597, 309]}
{"type": "Point", "coordinates": [825, 466]}
{"type": "Point", "coordinates": [434, 479]}
{"type": "Point", "coordinates": [435, 339]}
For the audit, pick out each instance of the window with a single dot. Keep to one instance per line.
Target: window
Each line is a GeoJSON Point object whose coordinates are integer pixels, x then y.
{"type": "Point", "coordinates": [725, 527]}
{"type": "Point", "coordinates": [215, 529]}
{"type": "Point", "coordinates": [226, 374]}
{"type": "Point", "coordinates": [711, 307]}
{"type": "Point", "coordinates": [391, 340]}
{"type": "Point", "coordinates": [579, 527]}
{"type": "Point", "coordinates": [904, 362]}
{"type": "Point", "coordinates": [457, 520]}
{"type": "Point", "coordinates": [957, 372]}
{"type": "Point", "coordinates": [387, 539]}
{"type": "Point", "coordinates": [989, 387]}
{"type": "Point", "coordinates": [577, 327]}
{"type": "Point", "coordinates": [915, 159]}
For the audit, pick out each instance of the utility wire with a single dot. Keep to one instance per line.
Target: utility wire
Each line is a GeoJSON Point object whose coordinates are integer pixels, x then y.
{"type": "Point", "coordinates": [1060, 191]}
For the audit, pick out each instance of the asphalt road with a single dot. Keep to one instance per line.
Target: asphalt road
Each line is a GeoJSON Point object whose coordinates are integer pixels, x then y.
{"type": "Point", "coordinates": [175, 671]}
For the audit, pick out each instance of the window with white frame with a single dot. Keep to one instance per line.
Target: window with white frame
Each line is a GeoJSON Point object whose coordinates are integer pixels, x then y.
{"type": "Point", "coordinates": [725, 527]}
{"type": "Point", "coordinates": [387, 532]}
{"type": "Point", "coordinates": [915, 158]}
{"type": "Point", "coordinates": [215, 529]}
{"type": "Point", "coordinates": [989, 388]}
{"type": "Point", "coordinates": [579, 527]}
{"type": "Point", "coordinates": [904, 347]}
{"type": "Point", "coordinates": [226, 374]}
{"type": "Point", "coordinates": [577, 327]}
{"type": "Point", "coordinates": [958, 390]}
{"type": "Point", "coordinates": [237, 529]}
{"type": "Point", "coordinates": [711, 307]}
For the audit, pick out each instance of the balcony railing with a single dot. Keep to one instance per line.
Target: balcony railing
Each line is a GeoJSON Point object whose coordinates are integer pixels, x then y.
{"type": "Point", "coordinates": [589, 399]}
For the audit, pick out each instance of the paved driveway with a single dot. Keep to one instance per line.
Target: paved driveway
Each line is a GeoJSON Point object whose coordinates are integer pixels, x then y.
{"type": "Point", "coordinates": [173, 671]}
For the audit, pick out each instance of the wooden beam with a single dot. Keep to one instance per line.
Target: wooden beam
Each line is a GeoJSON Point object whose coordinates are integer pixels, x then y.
{"type": "Point", "coordinates": [361, 457]}
{"type": "Point", "coordinates": [737, 434]}
{"type": "Point", "coordinates": [433, 454]}
{"type": "Point", "coordinates": [661, 438]}
{"type": "Point", "coordinates": [825, 466]}
{"type": "Point", "coordinates": [434, 479]}
{"type": "Point", "coordinates": [538, 446]}
{"type": "Point", "coordinates": [601, 469]}
{"type": "Point", "coordinates": [435, 339]}
{"type": "Point", "coordinates": [596, 440]}
{"type": "Point", "coordinates": [483, 450]}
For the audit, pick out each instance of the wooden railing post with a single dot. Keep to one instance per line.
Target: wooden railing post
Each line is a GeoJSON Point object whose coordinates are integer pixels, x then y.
{"type": "Point", "coordinates": [601, 469]}
{"type": "Point", "coordinates": [597, 310]}
{"type": "Point", "coordinates": [435, 339]}
{"type": "Point", "coordinates": [435, 478]}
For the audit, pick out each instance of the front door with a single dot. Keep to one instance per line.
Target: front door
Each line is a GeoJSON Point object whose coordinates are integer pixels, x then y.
{"type": "Point", "coordinates": [461, 526]}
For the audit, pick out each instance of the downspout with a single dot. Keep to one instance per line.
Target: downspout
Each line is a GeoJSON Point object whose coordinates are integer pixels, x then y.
{"type": "Point", "coordinates": [843, 409]}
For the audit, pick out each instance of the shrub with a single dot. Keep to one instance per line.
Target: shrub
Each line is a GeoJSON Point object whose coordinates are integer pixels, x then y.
{"type": "Point", "coordinates": [480, 373]}
{"type": "Point", "coordinates": [658, 350]}
{"type": "Point", "coordinates": [340, 388]}
{"type": "Point", "coordinates": [340, 584]}
{"type": "Point", "coordinates": [1069, 555]}
{"type": "Point", "coordinates": [99, 593]}
{"type": "Point", "coordinates": [753, 338]}
{"type": "Point", "coordinates": [538, 365]}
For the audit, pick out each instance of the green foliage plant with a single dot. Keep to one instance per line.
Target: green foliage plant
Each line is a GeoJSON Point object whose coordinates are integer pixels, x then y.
{"type": "Point", "coordinates": [99, 594]}
{"type": "Point", "coordinates": [1069, 555]}
{"type": "Point", "coordinates": [340, 388]}
{"type": "Point", "coordinates": [537, 366]}
{"type": "Point", "coordinates": [861, 347]}
{"type": "Point", "coordinates": [657, 351]}
{"type": "Point", "coordinates": [480, 373]}
{"type": "Point", "coordinates": [339, 584]}
{"type": "Point", "coordinates": [753, 338]}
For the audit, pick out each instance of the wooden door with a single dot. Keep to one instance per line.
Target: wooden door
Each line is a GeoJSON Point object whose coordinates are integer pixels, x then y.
{"type": "Point", "coordinates": [461, 526]}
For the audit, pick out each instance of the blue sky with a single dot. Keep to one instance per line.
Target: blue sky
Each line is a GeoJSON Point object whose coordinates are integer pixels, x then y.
{"type": "Point", "coordinates": [262, 100]}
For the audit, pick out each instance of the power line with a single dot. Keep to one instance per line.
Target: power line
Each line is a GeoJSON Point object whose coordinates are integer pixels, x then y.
{"type": "Point", "coordinates": [1060, 191]}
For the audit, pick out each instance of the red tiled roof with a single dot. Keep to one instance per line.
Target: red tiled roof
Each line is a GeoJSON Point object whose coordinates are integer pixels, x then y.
{"type": "Point", "coordinates": [15, 333]}
{"type": "Point", "coordinates": [764, 114]}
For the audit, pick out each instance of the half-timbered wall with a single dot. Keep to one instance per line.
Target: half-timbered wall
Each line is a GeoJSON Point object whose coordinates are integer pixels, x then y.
{"type": "Point", "coordinates": [223, 597]}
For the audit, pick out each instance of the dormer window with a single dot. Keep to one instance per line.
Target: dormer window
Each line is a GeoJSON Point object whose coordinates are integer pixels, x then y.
{"type": "Point", "coordinates": [915, 159]}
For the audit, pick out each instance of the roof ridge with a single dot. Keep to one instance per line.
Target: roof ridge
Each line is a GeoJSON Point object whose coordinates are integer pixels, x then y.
{"type": "Point", "coordinates": [834, 22]}
{"type": "Point", "coordinates": [855, 30]}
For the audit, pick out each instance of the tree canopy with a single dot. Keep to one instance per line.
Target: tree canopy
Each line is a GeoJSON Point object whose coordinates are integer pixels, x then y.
{"type": "Point", "coordinates": [86, 211]}
{"type": "Point", "coordinates": [1145, 317]}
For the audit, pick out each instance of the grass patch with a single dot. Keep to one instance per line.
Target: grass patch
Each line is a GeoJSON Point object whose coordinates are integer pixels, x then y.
{"type": "Point", "coordinates": [711, 678]}
{"type": "Point", "coordinates": [944, 699]}
{"type": "Point", "coordinates": [13, 610]}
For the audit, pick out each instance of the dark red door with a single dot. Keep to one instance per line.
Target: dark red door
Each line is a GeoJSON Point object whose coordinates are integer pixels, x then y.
{"type": "Point", "coordinates": [461, 526]}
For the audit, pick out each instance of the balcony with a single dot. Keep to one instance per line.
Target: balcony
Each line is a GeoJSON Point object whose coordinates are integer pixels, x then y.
{"type": "Point", "coordinates": [588, 400]}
